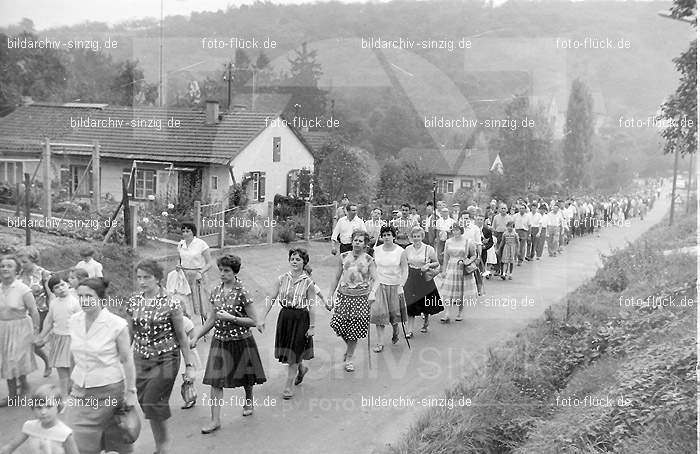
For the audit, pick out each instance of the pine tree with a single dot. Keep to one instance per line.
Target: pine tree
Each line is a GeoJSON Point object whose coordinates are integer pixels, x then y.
{"type": "Point", "coordinates": [578, 136]}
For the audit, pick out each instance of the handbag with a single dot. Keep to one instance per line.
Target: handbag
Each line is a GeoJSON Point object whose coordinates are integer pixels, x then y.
{"type": "Point", "coordinates": [468, 268]}
{"type": "Point", "coordinates": [188, 390]}
{"type": "Point", "coordinates": [430, 273]}
{"type": "Point", "coordinates": [128, 423]}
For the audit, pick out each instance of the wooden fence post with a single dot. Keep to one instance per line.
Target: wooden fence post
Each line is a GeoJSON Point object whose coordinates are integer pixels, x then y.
{"type": "Point", "coordinates": [96, 183]}
{"type": "Point", "coordinates": [18, 197]}
{"type": "Point", "coordinates": [46, 177]}
{"type": "Point", "coordinates": [134, 208]}
{"type": "Point", "coordinates": [198, 216]}
{"type": "Point", "coordinates": [307, 227]}
{"type": "Point", "coordinates": [270, 220]}
{"type": "Point", "coordinates": [27, 209]}
{"type": "Point", "coordinates": [222, 232]}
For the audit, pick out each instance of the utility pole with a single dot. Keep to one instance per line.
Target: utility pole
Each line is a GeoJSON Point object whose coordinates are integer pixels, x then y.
{"type": "Point", "coordinates": [229, 78]}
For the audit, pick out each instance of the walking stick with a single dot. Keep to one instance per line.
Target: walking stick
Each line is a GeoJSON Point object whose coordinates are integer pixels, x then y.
{"type": "Point", "coordinates": [403, 327]}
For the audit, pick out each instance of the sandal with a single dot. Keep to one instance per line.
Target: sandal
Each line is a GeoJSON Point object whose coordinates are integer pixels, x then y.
{"type": "Point", "coordinates": [378, 348]}
{"type": "Point", "coordinates": [458, 318]}
{"type": "Point", "coordinates": [210, 429]}
{"type": "Point", "coordinates": [349, 366]}
{"type": "Point", "coordinates": [287, 394]}
{"type": "Point", "coordinates": [300, 375]}
{"type": "Point", "coordinates": [188, 405]}
{"type": "Point", "coordinates": [424, 329]}
{"type": "Point", "coordinates": [247, 410]}
{"type": "Point", "coordinates": [409, 335]}
{"type": "Point", "coordinates": [445, 320]}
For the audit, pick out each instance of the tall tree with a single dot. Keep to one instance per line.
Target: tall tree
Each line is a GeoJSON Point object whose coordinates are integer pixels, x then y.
{"type": "Point", "coordinates": [525, 147]}
{"type": "Point", "coordinates": [681, 109]}
{"type": "Point", "coordinates": [303, 84]}
{"type": "Point", "coordinates": [130, 88]}
{"type": "Point", "coordinates": [578, 136]}
{"type": "Point", "coordinates": [242, 71]}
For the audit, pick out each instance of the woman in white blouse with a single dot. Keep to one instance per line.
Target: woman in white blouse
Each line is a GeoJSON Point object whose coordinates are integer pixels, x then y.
{"type": "Point", "coordinates": [195, 260]}
{"type": "Point", "coordinates": [104, 376]}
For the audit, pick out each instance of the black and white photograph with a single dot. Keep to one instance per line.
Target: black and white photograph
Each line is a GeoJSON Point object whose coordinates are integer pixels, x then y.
{"type": "Point", "coordinates": [348, 227]}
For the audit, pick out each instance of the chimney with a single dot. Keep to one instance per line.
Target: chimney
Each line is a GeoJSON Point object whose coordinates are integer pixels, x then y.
{"type": "Point", "coordinates": [212, 113]}
{"type": "Point", "coordinates": [26, 101]}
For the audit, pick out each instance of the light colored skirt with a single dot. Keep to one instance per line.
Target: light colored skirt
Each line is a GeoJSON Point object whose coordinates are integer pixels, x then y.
{"type": "Point", "coordinates": [456, 287]}
{"type": "Point", "coordinates": [388, 308]}
{"type": "Point", "coordinates": [199, 298]}
{"type": "Point", "coordinates": [59, 351]}
{"type": "Point", "coordinates": [16, 348]}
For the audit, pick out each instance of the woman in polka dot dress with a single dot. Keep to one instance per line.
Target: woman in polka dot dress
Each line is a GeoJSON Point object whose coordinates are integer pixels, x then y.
{"type": "Point", "coordinates": [354, 278]}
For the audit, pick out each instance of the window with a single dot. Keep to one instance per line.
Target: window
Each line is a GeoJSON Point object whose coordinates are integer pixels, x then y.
{"type": "Point", "coordinates": [214, 182]}
{"type": "Point", "coordinates": [468, 184]}
{"type": "Point", "coordinates": [143, 183]}
{"type": "Point", "coordinates": [11, 172]}
{"type": "Point", "coordinates": [478, 184]}
{"type": "Point", "coordinates": [80, 180]}
{"type": "Point", "coordinates": [446, 186]}
{"type": "Point", "coordinates": [276, 149]}
{"type": "Point", "coordinates": [257, 186]}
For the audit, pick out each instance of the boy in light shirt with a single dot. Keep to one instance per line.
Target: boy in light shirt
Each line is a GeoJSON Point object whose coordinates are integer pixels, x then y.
{"type": "Point", "coordinates": [89, 264]}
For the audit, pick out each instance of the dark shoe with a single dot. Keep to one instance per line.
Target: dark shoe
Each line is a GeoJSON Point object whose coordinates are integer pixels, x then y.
{"type": "Point", "coordinates": [189, 405]}
{"type": "Point", "coordinates": [247, 410]}
{"type": "Point", "coordinates": [300, 375]}
{"type": "Point", "coordinates": [395, 338]}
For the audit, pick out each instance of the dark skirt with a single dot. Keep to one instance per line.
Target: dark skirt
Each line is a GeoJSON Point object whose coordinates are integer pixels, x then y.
{"type": "Point", "coordinates": [350, 319]}
{"type": "Point", "coordinates": [422, 296]}
{"type": "Point", "coordinates": [155, 378]}
{"type": "Point", "coordinates": [233, 364]}
{"type": "Point", "coordinates": [291, 343]}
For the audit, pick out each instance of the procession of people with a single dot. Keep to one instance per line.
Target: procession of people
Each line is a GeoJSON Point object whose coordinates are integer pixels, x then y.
{"type": "Point", "coordinates": [387, 272]}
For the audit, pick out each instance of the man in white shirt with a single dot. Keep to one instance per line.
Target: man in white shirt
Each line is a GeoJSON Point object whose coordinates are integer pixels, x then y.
{"type": "Point", "coordinates": [443, 227]}
{"type": "Point", "coordinates": [373, 226]}
{"type": "Point", "coordinates": [344, 228]}
{"type": "Point", "coordinates": [535, 217]}
{"type": "Point", "coordinates": [554, 222]}
{"type": "Point", "coordinates": [522, 228]}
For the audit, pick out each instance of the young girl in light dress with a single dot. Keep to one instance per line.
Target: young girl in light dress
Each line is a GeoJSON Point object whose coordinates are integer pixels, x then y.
{"type": "Point", "coordinates": [46, 434]}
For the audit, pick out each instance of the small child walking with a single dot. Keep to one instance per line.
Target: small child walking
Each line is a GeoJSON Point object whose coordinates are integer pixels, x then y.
{"type": "Point", "coordinates": [511, 244]}
{"type": "Point", "coordinates": [46, 433]}
{"type": "Point", "coordinates": [56, 331]}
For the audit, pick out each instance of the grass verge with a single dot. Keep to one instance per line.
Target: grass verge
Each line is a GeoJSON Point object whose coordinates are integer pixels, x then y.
{"type": "Point", "coordinates": [638, 359]}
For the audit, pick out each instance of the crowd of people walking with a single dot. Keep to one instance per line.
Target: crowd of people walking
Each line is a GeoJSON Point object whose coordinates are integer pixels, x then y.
{"type": "Point", "coordinates": [388, 272]}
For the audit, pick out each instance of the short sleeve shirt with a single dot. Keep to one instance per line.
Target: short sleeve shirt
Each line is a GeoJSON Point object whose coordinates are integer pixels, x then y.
{"type": "Point", "coordinates": [154, 332]}
{"type": "Point", "coordinates": [12, 300]}
{"type": "Point", "coordinates": [35, 281]}
{"type": "Point", "coordinates": [191, 256]}
{"type": "Point", "coordinates": [356, 273]}
{"type": "Point", "coordinates": [95, 351]}
{"type": "Point", "coordinates": [233, 301]}
{"type": "Point", "coordinates": [46, 441]}
{"type": "Point", "coordinates": [292, 291]}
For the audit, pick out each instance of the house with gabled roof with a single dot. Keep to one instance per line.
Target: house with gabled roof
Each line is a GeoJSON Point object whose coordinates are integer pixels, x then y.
{"type": "Point", "coordinates": [454, 169]}
{"type": "Point", "coordinates": [165, 153]}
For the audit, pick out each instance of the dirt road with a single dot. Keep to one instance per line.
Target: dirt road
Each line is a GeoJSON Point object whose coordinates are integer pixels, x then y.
{"type": "Point", "coordinates": [330, 412]}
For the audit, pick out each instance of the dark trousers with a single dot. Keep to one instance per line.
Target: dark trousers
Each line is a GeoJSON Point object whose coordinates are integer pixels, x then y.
{"type": "Point", "coordinates": [532, 243]}
{"type": "Point", "coordinates": [539, 248]}
{"type": "Point", "coordinates": [478, 277]}
{"type": "Point", "coordinates": [522, 248]}
{"type": "Point", "coordinates": [499, 250]}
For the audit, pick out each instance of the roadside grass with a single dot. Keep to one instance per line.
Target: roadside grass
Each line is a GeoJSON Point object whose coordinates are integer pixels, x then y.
{"type": "Point", "coordinates": [590, 344]}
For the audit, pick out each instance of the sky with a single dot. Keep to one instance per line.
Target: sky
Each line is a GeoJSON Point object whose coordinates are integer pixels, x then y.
{"type": "Point", "coordinates": [50, 13]}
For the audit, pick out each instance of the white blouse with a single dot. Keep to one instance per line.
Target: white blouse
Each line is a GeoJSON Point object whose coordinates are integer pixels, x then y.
{"type": "Point", "coordinates": [191, 256]}
{"type": "Point", "coordinates": [95, 351]}
{"type": "Point", "coordinates": [388, 265]}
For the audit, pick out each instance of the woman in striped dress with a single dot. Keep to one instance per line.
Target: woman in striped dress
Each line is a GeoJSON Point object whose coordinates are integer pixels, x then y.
{"type": "Point", "coordinates": [456, 287]}
{"type": "Point", "coordinates": [294, 290]}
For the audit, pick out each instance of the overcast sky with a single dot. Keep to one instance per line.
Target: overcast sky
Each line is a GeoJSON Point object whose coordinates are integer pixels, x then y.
{"type": "Point", "coordinates": [50, 13]}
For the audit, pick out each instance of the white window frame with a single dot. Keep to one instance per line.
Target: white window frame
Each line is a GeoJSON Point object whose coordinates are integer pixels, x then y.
{"type": "Point", "coordinates": [255, 181]}
{"type": "Point", "coordinates": [140, 183]}
{"type": "Point", "coordinates": [5, 174]}
{"type": "Point", "coordinates": [446, 186]}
